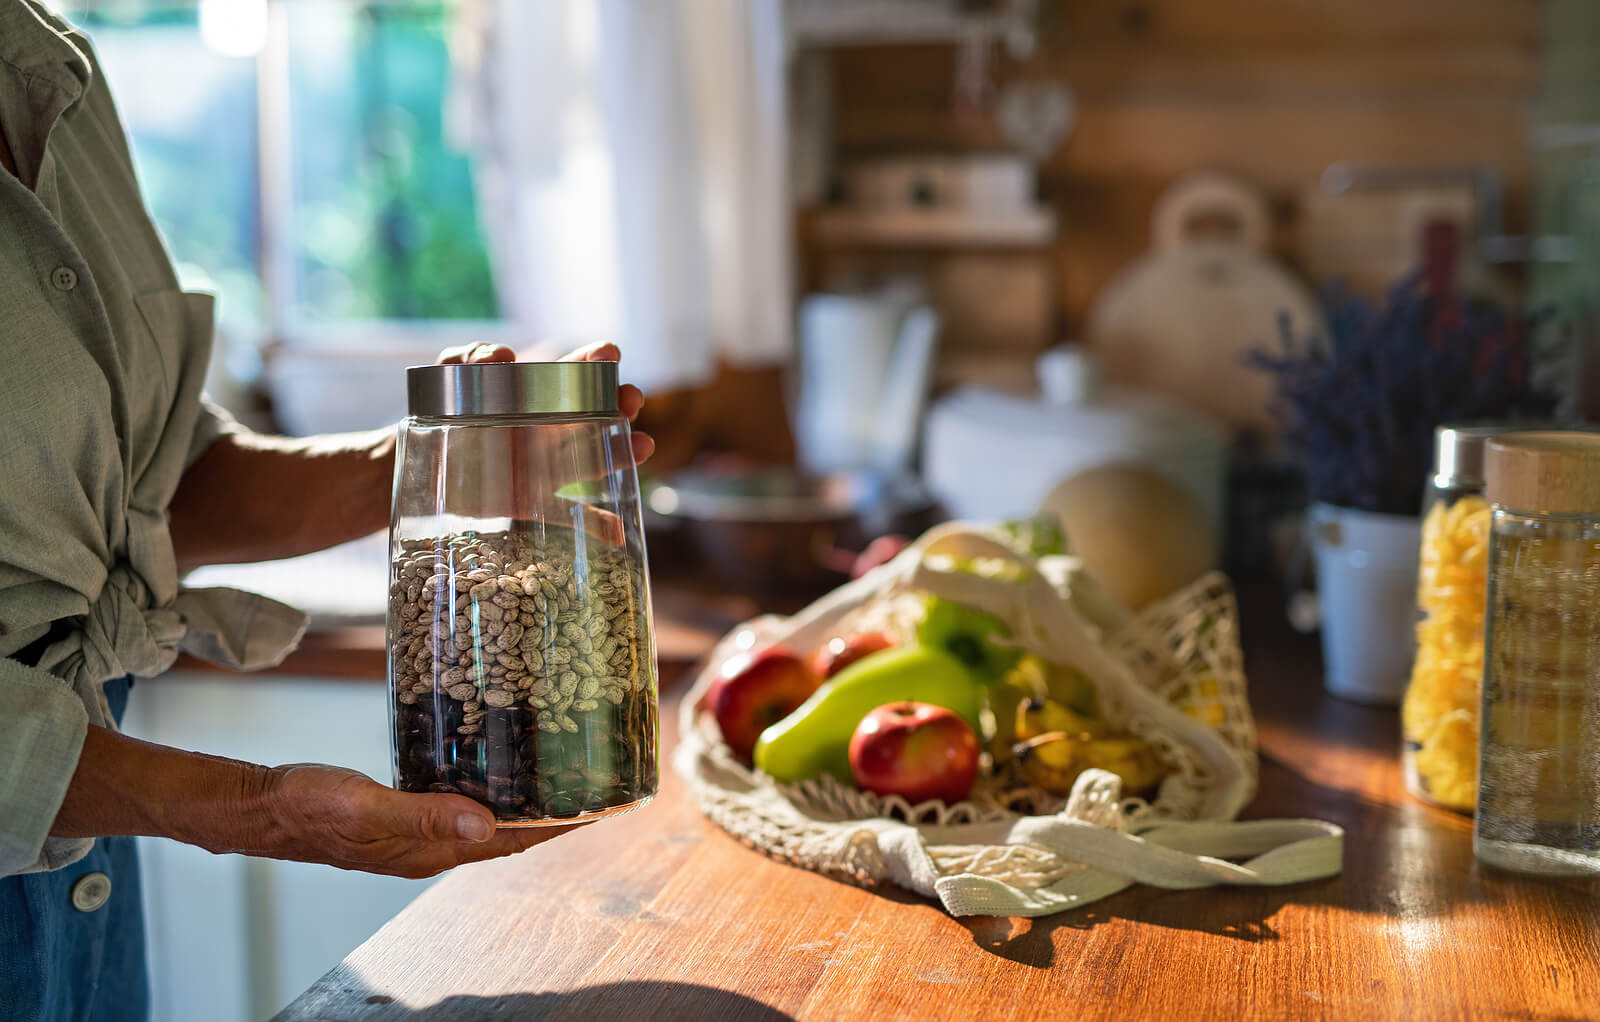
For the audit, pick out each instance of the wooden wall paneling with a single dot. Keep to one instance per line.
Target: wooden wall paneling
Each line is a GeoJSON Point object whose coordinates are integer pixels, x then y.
{"type": "Point", "coordinates": [1005, 298]}
{"type": "Point", "coordinates": [1275, 92]}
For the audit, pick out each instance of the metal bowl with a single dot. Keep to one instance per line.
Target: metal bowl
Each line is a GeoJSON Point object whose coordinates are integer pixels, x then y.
{"type": "Point", "coordinates": [775, 529]}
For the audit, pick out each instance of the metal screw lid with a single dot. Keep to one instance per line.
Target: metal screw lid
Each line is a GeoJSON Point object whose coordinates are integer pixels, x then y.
{"type": "Point", "coordinates": [1458, 454]}
{"type": "Point", "coordinates": [512, 388]}
{"type": "Point", "coordinates": [1553, 472]}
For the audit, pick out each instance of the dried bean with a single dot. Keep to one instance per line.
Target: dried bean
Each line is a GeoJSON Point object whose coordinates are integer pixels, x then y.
{"type": "Point", "coordinates": [524, 669]}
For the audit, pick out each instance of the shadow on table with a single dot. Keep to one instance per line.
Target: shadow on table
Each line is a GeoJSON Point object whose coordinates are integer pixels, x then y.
{"type": "Point", "coordinates": [1402, 860]}
{"type": "Point", "coordinates": [1237, 913]}
{"type": "Point", "coordinates": [633, 999]}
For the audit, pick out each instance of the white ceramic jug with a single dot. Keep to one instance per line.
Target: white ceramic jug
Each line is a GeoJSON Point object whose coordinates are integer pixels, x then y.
{"type": "Point", "coordinates": [865, 365]}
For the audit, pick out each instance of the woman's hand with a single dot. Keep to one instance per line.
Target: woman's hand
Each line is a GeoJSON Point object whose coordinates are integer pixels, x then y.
{"type": "Point", "coordinates": [304, 813]}
{"type": "Point", "coordinates": [630, 399]}
{"type": "Point", "coordinates": [343, 818]}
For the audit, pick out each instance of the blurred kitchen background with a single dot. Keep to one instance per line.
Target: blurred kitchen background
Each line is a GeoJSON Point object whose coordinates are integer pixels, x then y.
{"type": "Point", "coordinates": [875, 261]}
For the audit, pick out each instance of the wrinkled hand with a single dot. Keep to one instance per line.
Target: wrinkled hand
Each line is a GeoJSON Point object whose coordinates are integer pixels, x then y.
{"type": "Point", "coordinates": [630, 399]}
{"type": "Point", "coordinates": [346, 819]}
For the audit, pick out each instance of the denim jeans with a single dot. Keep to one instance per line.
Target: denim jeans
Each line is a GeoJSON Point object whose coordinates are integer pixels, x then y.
{"type": "Point", "coordinates": [59, 963]}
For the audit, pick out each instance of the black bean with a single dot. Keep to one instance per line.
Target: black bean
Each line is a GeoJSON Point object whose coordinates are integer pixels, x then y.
{"type": "Point", "coordinates": [526, 787]}
{"type": "Point", "coordinates": [563, 804]}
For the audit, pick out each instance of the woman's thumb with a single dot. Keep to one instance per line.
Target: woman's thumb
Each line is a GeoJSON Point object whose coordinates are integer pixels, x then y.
{"type": "Point", "coordinates": [441, 818]}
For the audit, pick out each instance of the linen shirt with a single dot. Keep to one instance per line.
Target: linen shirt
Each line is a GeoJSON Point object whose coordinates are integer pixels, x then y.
{"type": "Point", "coordinates": [102, 359]}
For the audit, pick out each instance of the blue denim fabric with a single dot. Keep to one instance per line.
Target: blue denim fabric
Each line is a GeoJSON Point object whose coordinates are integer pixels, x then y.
{"type": "Point", "coordinates": [58, 964]}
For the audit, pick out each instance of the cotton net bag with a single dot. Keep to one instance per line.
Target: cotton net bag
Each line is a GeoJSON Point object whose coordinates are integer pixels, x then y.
{"type": "Point", "coordinates": [1017, 851]}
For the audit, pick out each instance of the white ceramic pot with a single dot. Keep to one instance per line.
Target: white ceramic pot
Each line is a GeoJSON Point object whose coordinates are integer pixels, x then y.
{"type": "Point", "coordinates": [992, 455]}
{"type": "Point", "coordinates": [1367, 589]}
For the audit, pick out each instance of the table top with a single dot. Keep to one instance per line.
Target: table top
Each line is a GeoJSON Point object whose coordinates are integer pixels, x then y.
{"type": "Point", "coordinates": [659, 914]}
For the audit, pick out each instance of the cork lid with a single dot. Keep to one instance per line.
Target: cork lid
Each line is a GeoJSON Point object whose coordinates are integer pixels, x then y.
{"type": "Point", "coordinates": [1459, 448]}
{"type": "Point", "coordinates": [1552, 471]}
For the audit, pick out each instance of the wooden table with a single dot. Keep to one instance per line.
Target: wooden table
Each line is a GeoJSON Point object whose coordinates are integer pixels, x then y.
{"type": "Point", "coordinates": [660, 915]}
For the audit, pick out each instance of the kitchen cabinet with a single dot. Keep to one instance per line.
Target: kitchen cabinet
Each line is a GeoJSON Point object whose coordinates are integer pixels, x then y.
{"type": "Point", "coordinates": [231, 938]}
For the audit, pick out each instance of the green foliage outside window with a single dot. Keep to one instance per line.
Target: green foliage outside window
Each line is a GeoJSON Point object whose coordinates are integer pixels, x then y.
{"type": "Point", "coordinates": [383, 220]}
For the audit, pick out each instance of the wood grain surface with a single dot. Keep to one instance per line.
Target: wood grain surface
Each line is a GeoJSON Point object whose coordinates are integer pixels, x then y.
{"type": "Point", "coordinates": [1273, 91]}
{"type": "Point", "coordinates": [660, 915]}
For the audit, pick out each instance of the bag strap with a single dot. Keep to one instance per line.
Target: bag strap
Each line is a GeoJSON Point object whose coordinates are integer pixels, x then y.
{"type": "Point", "coordinates": [1174, 856]}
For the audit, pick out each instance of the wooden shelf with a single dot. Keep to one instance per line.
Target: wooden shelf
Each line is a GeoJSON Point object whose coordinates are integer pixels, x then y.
{"type": "Point", "coordinates": [909, 228]}
{"type": "Point", "coordinates": [887, 22]}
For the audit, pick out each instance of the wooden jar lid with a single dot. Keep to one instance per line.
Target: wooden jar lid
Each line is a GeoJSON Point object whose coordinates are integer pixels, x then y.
{"type": "Point", "coordinates": [1550, 471]}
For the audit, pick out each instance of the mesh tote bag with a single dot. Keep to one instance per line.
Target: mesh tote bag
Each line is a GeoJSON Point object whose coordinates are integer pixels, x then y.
{"type": "Point", "coordinates": [1171, 674]}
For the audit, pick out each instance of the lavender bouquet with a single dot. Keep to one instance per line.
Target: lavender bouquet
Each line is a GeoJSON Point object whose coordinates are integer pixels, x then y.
{"type": "Point", "coordinates": [1359, 407]}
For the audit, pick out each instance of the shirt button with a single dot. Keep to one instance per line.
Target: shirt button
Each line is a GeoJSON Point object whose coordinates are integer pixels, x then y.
{"type": "Point", "coordinates": [64, 278]}
{"type": "Point", "coordinates": [91, 891]}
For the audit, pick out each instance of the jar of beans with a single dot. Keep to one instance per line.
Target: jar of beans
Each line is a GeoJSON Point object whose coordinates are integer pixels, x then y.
{"type": "Point", "coordinates": [522, 667]}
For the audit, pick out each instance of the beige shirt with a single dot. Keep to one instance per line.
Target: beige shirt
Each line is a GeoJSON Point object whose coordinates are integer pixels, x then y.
{"type": "Point", "coordinates": [102, 358]}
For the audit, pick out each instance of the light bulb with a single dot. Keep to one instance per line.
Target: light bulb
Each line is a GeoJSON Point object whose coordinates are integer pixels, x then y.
{"type": "Point", "coordinates": [234, 28]}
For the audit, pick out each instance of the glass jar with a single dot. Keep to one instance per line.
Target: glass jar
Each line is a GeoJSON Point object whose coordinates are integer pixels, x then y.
{"type": "Point", "coordinates": [1439, 714]}
{"type": "Point", "coordinates": [1538, 806]}
{"type": "Point", "coordinates": [522, 668]}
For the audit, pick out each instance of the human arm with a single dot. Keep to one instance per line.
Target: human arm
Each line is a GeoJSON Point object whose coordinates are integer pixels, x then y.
{"type": "Point", "coordinates": [254, 497]}
{"type": "Point", "coordinates": [304, 812]}
{"type": "Point", "coordinates": [64, 778]}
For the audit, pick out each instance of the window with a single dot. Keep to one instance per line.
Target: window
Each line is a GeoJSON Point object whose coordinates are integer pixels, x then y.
{"type": "Point", "coordinates": [296, 157]}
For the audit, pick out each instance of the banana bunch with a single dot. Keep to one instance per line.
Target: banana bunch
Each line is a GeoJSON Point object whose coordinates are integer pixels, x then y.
{"type": "Point", "coordinates": [1056, 743]}
{"type": "Point", "coordinates": [1035, 680]}
{"type": "Point", "coordinates": [1201, 699]}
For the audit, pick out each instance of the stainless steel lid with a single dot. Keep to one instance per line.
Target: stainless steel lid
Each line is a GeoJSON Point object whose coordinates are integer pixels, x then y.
{"type": "Point", "coordinates": [512, 388]}
{"type": "Point", "coordinates": [1458, 453]}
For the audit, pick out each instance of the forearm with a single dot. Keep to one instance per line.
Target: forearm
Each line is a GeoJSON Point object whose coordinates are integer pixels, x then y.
{"type": "Point", "coordinates": [252, 497]}
{"type": "Point", "coordinates": [125, 786]}
{"type": "Point", "coordinates": [303, 812]}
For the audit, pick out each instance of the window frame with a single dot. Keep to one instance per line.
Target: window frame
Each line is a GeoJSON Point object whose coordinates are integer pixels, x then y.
{"type": "Point", "coordinates": [275, 198]}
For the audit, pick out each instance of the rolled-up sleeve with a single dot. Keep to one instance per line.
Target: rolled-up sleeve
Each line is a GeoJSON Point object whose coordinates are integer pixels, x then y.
{"type": "Point", "coordinates": [214, 422]}
{"type": "Point", "coordinates": [42, 727]}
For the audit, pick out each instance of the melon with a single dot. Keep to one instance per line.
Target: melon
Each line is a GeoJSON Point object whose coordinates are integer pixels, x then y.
{"type": "Point", "coordinates": [1141, 536]}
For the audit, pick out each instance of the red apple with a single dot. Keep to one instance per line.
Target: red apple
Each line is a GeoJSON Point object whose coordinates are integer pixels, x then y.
{"type": "Point", "coordinates": [880, 551]}
{"type": "Point", "coordinates": [915, 750]}
{"type": "Point", "coordinates": [758, 690]}
{"type": "Point", "coordinates": [841, 651]}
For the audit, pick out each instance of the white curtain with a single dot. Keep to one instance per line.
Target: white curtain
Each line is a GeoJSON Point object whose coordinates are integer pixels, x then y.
{"type": "Point", "coordinates": [632, 179]}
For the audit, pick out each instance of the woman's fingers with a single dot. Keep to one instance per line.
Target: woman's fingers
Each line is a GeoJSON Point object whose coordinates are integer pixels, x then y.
{"type": "Point", "coordinates": [600, 351]}
{"type": "Point", "coordinates": [630, 400]}
{"type": "Point", "coordinates": [480, 352]}
{"type": "Point", "coordinates": [429, 817]}
{"type": "Point", "coordinates": [644, 445]}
